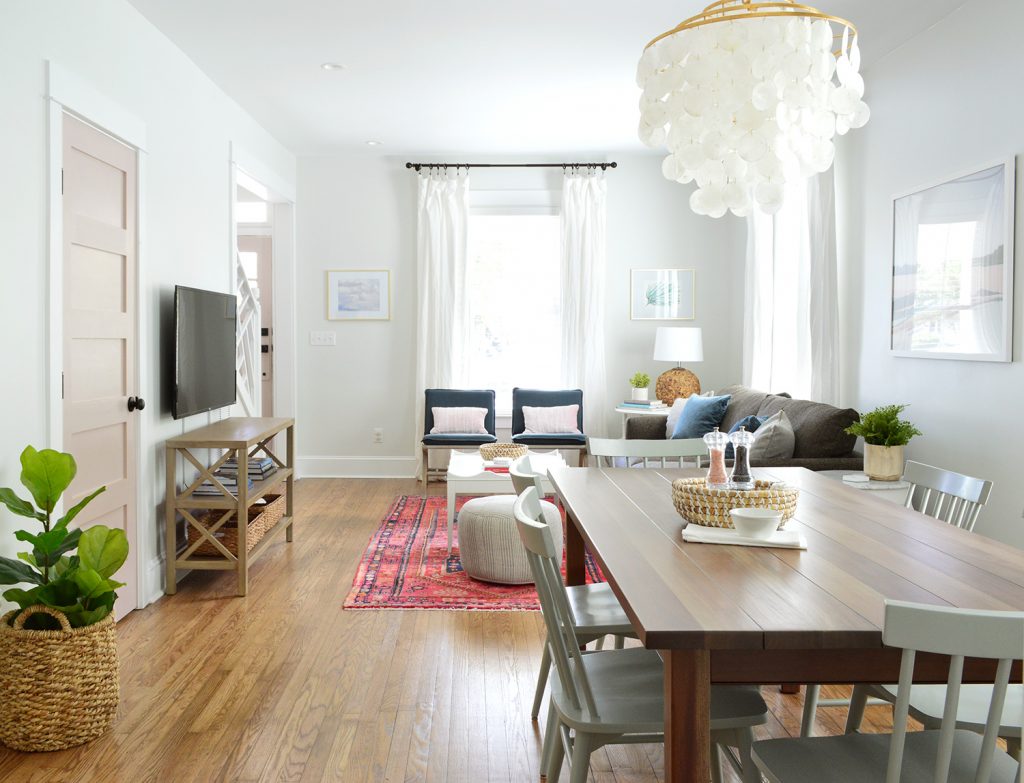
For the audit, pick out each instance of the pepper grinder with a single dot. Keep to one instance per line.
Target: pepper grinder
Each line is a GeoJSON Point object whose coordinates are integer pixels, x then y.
{"type": "Point", "coordinates": [741, 443]}
{"type": "Point", "coordinates": [716, 442]}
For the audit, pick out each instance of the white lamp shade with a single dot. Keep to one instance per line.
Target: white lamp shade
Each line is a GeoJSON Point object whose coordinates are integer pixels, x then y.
{"type": "Point", "coordinates": [678, 344]}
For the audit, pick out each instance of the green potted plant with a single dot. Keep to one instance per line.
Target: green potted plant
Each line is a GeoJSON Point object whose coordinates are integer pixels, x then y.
{"type": "Point", "coordinates": [59, 678]}
{"type": "Point", "coordinates": [885, 434]}
{"type": "Point", "coordinates": [640, 381]}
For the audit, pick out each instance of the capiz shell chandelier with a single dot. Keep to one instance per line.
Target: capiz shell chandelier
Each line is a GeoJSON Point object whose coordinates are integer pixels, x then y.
{"type": "Point", "coordinates": [747, 96]}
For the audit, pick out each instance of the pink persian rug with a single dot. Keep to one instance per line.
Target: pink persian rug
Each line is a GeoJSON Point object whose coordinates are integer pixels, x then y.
{"type": "Point", "coordinates": [407, 566]}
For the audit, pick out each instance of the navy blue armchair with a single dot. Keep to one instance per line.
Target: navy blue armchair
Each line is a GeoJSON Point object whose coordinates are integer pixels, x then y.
{"type": "Point", "coordinates": [544, 398]}
{"type": "Point", "coordinates": [456, 398]}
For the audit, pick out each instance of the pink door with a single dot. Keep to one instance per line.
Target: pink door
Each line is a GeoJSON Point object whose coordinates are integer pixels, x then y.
{"type": "Point", "coordinates": [100, 333]}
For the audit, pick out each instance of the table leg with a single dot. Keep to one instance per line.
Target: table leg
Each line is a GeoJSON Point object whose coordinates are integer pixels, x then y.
{"type": "Point", "coordinates": [687, 716]}
{"type": "Point", "coordinates": [575, 555]}
{"type": "Point", "coordinates": [451, 513]}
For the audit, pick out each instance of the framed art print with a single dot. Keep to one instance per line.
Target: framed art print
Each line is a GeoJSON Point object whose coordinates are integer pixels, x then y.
{"type": "Point", "coordinates": [359, 295]}
{"type": "Point", "coordinates": [661, 294]}
{"type": "Point", "coordinates": [952, 268]}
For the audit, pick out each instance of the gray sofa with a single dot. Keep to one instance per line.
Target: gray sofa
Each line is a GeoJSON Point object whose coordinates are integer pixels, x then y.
{"type": "Point", "coordinates": [821, 443]}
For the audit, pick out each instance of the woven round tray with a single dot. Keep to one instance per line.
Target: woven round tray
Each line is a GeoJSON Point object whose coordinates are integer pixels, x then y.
{"type": "Point", "coordinates": [509, 450]}
{"type": "Point", "coordinates": [701, 505]}
{"type": "Point", "coordinates": [60, 688]}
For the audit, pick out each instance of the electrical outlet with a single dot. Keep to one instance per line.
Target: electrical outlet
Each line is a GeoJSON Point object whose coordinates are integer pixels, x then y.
{"type": "Point", "coordinates": [378, 434]}
{"type": "Point", "coordinates": [323, 338]}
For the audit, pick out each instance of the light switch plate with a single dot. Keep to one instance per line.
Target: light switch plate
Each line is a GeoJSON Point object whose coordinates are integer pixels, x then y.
{"type": "Point", "coordinates": [323, 338]}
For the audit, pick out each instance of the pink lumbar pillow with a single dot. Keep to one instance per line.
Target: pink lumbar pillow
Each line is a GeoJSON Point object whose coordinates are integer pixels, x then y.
{"type": "Point", "coordinates": [554, 419]}
{"type": "Point", "coordinates": [460, 420]}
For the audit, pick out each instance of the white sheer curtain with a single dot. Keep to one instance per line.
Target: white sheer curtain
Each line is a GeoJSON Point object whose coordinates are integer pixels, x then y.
{"type": "Point", "coordinates": [791, 324]}
{"type": "Point", "coordinates": [442, 308]}
{"type": "Point", "coordinates": [584, 196]}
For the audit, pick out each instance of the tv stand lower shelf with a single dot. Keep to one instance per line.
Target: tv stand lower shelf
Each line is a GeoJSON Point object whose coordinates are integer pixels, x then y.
{"type": "Point", "coordinates": [205, 516]}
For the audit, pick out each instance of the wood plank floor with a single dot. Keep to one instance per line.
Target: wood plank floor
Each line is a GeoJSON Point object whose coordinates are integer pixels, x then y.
{"type": "Point", "coordinates": [283, 685]}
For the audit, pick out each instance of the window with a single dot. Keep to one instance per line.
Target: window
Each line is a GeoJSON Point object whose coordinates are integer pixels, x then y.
{"type": "Point", "coordinates": [514, 289]}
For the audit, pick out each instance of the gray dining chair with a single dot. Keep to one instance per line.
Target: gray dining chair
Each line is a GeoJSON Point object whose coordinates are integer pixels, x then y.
{"type": "Point", "coordinates": [951, 497]}
{"type": "Point", "coordinates": [595, 610]}
{"type": "Point", "coordinates": [616, 452]}
{"type": "Point", "coordinates": [614, 697]}
{"type": "Point", "coordinates": [946, 755]}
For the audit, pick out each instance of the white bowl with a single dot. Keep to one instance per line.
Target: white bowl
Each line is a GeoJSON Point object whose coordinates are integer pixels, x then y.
{"type": "Point", "coordinates": [757, 523]}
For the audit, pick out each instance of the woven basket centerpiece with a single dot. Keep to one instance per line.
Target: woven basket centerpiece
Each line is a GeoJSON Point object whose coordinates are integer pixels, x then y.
{"type": "Point", "coordinates": [57, 688]}
{"type": "Point", "coordinates": [707, 506]}
{"type": "Point", "coordinates": [491, 451]}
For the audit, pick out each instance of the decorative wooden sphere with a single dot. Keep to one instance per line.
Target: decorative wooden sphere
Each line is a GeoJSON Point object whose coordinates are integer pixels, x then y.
{"type": "Point", "coordinates": [675, 383]}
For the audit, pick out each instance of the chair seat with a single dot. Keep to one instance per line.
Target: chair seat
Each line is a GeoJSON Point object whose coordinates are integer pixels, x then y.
{"type": "Point", "coordinates": [927, 703]}
{"type": "Point", "coordinates": [458, 439]}
{"type": "Point", "coordinates": [629, 691]}
{"type": "Point", "coordinates": [597, 610]}
{"type": "Point", "coordinates": [553, 439]}
{"type": "Point", "coordinates": [863, 758]}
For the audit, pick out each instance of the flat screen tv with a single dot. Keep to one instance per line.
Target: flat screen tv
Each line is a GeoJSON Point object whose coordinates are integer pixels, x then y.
{"type": "Point", "coordinates": [204, 350]}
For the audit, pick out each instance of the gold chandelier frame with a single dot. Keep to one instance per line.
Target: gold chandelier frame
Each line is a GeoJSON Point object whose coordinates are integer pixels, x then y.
{"type": "Point", "coordinates": [731, 10]}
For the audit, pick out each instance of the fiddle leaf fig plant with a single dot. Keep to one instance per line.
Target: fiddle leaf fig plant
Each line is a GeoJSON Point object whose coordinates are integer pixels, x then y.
{"type": "Point", "coordinates": [68, 570]}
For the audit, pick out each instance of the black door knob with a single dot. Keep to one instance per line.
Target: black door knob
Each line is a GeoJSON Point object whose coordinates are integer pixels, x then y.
{"type": "Point", "coordinates": [136, 404]}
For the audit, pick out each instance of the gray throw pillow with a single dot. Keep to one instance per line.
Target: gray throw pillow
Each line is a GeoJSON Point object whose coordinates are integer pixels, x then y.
{"type": "Point", "coordinates": [774, 440]}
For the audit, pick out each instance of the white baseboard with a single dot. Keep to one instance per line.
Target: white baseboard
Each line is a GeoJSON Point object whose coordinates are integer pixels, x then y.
{"type": "Point", "coordinates": [153, 588]}
{"type": "Point", "coordinates": [356, 467]}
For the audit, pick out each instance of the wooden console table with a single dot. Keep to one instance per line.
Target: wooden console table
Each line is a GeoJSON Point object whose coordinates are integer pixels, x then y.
{"type": "Point", "coordinates": [242, 438]}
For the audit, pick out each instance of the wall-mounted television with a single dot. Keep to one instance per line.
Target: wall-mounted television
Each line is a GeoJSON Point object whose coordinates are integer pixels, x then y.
{"type": "Point", "coordinates": [204, 350]}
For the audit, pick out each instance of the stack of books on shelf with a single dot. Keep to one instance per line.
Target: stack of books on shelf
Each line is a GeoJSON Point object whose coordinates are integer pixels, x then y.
{"type": "Point", "coordinates": [644, 405]}
{"type": "Point", "coordinates": [208, 489]}
{"type": "Point", "coordinates": [259, 469]}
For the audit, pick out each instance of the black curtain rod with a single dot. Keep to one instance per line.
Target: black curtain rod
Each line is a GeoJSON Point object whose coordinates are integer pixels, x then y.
{"type": "Point", "coordinates": [601, 166]}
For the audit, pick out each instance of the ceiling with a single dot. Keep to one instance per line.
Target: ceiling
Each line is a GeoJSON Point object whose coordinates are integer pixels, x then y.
{"type": "Point", "coordinates": [456, 76]}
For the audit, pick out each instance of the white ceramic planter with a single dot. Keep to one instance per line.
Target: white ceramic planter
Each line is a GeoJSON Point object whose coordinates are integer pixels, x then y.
{"type": "Point", "coordinates": [639, 394]}
{"type": "Point", "coordinates": [883, 463]}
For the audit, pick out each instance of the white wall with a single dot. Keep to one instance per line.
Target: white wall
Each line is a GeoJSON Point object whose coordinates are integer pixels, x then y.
{"type": "Point", "coordinates": [359, 212]}
{"type": "Point", "coordinates": [185, 197]}
{"type": "Point", "coordinates": [946, 101]}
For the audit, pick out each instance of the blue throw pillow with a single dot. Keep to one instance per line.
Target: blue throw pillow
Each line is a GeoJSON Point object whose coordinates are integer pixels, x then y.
{"type": "Point", "coordinates": [700, 416]}
{"type": "Point", "coordinates": [751, 423]}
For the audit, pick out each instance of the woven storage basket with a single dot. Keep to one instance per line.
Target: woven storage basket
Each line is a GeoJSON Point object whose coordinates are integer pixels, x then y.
{"type": "Point", "coordinates": [701, 505]}
{"type": "Point", "coordinates": [261, 519]}
{"type": "Point", "coordinates": [60, 688]}
{"type": "Point", "coordinates": [508, 450]}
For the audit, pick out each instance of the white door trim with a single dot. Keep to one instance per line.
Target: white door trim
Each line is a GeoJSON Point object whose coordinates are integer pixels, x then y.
{"type": "Point", "coordinates": [69, 93]}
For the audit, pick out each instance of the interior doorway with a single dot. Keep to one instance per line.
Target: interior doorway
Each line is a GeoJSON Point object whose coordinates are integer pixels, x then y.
{"type": "Point", "coordinates": [254, 232]}
{"type": "Point", "coordinates": [256, 255]}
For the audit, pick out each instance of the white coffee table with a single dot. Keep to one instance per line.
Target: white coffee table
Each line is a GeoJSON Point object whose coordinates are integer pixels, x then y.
{"type": "Point", "coordinates": [468, 475]}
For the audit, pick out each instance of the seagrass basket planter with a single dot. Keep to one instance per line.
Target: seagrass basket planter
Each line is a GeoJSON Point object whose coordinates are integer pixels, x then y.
{"type": "Point", "coordinates": [491, 451]}
{"type": "Point", "coordinates": [700, 504]}
{"type": "Point", "coordinates": [60, 688]}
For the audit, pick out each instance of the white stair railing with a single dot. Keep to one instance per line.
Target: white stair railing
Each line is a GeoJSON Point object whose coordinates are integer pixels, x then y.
{"type": "Point", "coordinates": [247, 350]}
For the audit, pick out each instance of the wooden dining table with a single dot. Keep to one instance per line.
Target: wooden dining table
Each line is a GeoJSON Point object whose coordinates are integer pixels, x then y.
{"type": "Point", "coordinates": [733, 615]}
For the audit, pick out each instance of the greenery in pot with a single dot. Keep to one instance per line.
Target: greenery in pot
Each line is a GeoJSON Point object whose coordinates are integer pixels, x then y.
{"type": "Point", "coordinates": [640, 380]}
{"type": "Point", "coordinates": [884, 427]}
{"type": "Point", "coordinates": [68, 570]}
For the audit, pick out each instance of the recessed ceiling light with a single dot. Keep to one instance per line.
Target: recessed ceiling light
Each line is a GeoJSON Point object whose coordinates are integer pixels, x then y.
{"type": "Point", "coordinates": [372, 143]}
{"type": "Point", "coordinates": [332, 66]}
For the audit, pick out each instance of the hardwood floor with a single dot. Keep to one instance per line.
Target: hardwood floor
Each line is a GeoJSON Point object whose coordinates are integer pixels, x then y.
{"type": "Point", "coordinates": [284, 685]}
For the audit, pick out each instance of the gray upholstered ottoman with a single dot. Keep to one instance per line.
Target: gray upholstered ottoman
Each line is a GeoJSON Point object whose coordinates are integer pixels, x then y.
{"type": "Point", "coordinates": [489, 544]}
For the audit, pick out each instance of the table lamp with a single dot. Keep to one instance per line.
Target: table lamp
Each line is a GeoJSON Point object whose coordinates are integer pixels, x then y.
{"type": "Point", "coordinates": [677, 344]}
